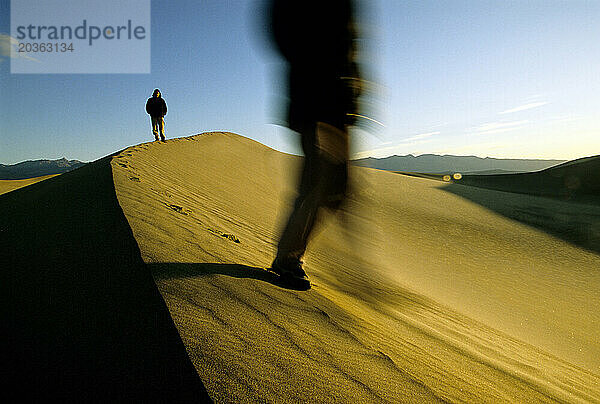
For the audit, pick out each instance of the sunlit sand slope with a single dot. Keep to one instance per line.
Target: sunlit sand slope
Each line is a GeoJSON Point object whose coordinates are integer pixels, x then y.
{"type": "Point", "coordinates": [419, 295]}
{"type": "Point", "coordinates": [82, 320]}
{"type": "Point", "coordinates": [11, 185]}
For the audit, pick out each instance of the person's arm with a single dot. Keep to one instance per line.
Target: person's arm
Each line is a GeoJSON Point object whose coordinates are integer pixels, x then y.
{"type": "Point", "coordinates": [164, 107]}
{"type": "Point", "coordinates": [148, 106]}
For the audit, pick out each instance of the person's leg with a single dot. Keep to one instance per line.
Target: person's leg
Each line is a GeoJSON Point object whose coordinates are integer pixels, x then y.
{"type": "Point", "coordinates": [161, 127]}
{"type": "Point", "coordinates": [334, 152]}
{"type": "Point", "coordinates": [323, 184]}
{"type": "Point", "coordinates": [154, 121]}
{"type": "Point", "coordinates": [294, 239]}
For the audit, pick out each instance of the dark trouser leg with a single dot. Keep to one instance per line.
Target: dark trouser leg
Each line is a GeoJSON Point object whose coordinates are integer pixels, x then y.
{"type": "Point", "coordinates": [323, 183]}
{"type": "Point", "coordinates": [154, 121]}
{"type": "Point", "coordinates": [161, 128]}
{"type": "Point", "coordinates": [294, 238]}
{"type": "Point", "coordinates": [158, 127]}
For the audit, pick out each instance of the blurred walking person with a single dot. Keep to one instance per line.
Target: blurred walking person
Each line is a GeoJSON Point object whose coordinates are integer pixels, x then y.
{"type": "Point", "coordinates": [317, 40]}
{"type": "Point", "coordinates": [156, 107]}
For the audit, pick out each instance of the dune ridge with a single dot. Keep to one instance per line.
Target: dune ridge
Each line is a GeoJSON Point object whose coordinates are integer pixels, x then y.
{"type": "Point", "coordinates": [407, 284]}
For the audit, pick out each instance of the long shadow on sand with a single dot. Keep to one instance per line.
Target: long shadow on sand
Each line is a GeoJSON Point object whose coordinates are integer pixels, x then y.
{"type": "Point", "coordinates": [82, 317]}
{"type": "Point", "coordinates": [175, 270]}
{"type": "Point", "coordinates": [576, 223]}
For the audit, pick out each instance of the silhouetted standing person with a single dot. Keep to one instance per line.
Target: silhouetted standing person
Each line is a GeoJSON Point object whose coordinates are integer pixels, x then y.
{"type": "Point", "coordinates": [156, 107]}
{"type": "Point", "coordinates": [316, 38]}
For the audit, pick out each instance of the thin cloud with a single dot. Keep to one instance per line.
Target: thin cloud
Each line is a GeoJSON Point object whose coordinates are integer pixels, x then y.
{"type": "Point", "coordinates": [565, 118]}
{"type": "Point", "coordinates": [498, 127]}
{"type": "Point", "coordinates": [524, 107]}
{"type": "Point", "coordinates": [421, 136]}
{"type": "Point", "coordinates": [7, 43]}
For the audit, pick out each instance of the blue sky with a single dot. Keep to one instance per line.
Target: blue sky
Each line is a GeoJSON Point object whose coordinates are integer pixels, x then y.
{"type": "Point", "coordinates": [499, 78]}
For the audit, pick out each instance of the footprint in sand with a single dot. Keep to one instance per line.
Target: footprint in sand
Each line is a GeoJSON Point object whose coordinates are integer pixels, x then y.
{"type": "Point", "coordinates": [178, 209]}
{"type": "Point", "coordinates": [225, 235]}
{"type": "Point", "coordinates": [135, 179]}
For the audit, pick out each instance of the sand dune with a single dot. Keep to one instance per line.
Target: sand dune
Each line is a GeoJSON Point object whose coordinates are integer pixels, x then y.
{"type": "Point", "coordinates": [420, 294]}
{"type": "Point", "coordinates": [11, 185]}
{"type": "Point", "coordinates": [422, 291]}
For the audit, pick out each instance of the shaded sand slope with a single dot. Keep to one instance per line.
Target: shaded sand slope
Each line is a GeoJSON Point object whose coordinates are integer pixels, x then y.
{"type": "Point", "coordinates": [572, 215]}
{"type": "Point", "coordinates": [573, 221]}
{"type": "Point", "coordinates": [576, 180]}
{"type": "Point", "coordinates": [418, 295]}
{"type": "Point", "coordinates": [82, 319]}
{"type": "Point", "coordinates": [11, 185]}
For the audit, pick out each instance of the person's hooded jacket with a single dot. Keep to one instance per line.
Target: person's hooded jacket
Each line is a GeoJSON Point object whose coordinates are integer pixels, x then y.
{"type": "Point", "coordinates": [156, 105]}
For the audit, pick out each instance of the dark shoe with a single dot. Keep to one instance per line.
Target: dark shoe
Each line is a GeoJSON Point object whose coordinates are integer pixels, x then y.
{"type": "Point", "coordinates": [162, 138]}
{"type": "Point", "coordinates": [291, 273]}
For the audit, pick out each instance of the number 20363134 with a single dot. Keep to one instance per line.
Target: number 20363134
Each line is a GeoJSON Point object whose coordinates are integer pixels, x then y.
{"type": "Point", "coordinates": [50, 47]}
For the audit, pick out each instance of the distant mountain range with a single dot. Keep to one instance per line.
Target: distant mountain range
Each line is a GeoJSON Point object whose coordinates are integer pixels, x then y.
{"type": "Point", "coordinates": [37, 168]}
{"type": "Point", "coordinates": [448, 164]}
{"type": "Point", "coordinates": [426, 163]}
